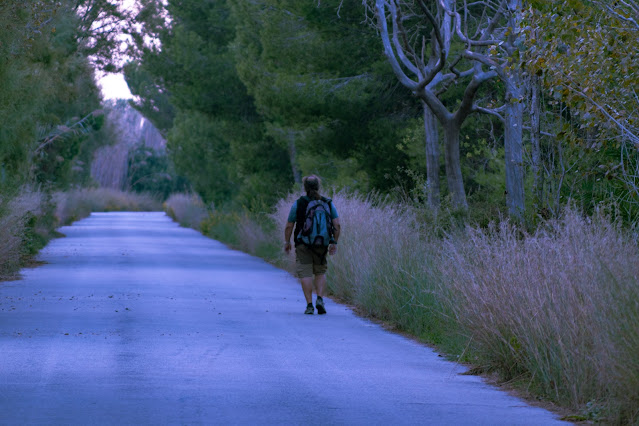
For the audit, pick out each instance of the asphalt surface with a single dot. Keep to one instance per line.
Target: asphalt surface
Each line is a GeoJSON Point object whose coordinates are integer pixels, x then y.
{"type": "Point", "coordinates": [135, 320]}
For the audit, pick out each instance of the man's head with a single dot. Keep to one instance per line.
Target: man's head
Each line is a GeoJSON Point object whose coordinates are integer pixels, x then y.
{"type": "Point", "coordinates": [312, 186]}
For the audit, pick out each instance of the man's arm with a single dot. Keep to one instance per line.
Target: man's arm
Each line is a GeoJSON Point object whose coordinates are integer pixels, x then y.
{"type": "Point", "coordinates": [336, 229]}
{"type": "Point", "coordinates": [288, 231]}
{"type": "Point", "coordinates": [332, 249]}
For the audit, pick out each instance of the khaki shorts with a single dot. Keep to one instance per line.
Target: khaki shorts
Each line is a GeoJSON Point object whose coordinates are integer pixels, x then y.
{"type": "Point", "coordinates": [309, 262]}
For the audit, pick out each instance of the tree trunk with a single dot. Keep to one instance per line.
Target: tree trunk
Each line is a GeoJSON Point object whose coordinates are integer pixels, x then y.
{"type": "Point", "coordinates": [513, 132]}
{"type": "Point", "coordinates": [535, 138]}
{"type": "Point", "coordinates": [453, 165]}
{"type": "Point", "coordinates": [514, 160]}
{"type": "Point", "coordinates": [292, 152]}
{"type": "Point", "coordinates": [432, 157]}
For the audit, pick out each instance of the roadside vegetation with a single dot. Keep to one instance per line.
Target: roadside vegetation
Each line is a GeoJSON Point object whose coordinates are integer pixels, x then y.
{"type": "Point", "coordinates": [30, 219]}
{"type": "Point", "coordinates": [19, 234]}
{"type": "Point", "coordinates": [554, 311]}
{"type": "Point", "coordinates": [79, 203]}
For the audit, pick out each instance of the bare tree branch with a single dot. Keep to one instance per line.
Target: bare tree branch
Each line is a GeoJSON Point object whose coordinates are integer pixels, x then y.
{"type": "Point", "coordinates": [486, 38]}
{"type": "Point", "coordinates": [466, 105]}
{"type": "Point", "coordinates": [392, 5]}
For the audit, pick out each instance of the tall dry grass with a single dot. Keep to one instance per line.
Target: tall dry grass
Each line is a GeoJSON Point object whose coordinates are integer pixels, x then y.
{"type": "Point", "coordinates": [28, 220]}
{"type": "Point", "coordinates": [237, 229]}
{"type": "Point", "coordinates": [186, 209]}
{"type": "Point", "coordinates": [383, 263]}
{"type": "Point", "coordinates": [15, 214]}
{"type": "Point", "coordinates": [558, 310]}
{"type": "Point", "coordinates": [78, 203]}
{"type": "Point", "coordinates": [559, 307]}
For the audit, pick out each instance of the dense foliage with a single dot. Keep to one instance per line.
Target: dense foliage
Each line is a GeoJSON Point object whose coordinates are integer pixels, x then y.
{"type": "Point", "coordinates": [253, 95]}
{"type": "Point", "coordinates": [51, 117]}
{"type": "Point", "coordinates": [584, 54]}
{"type": "Point", "coordinates": [49, 103]}
{"type": "Point", "coordinates": [265, 92]}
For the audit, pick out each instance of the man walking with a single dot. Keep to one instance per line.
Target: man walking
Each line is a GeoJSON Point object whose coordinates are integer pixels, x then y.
{"type": "Point", "coordinates": [317, 230]}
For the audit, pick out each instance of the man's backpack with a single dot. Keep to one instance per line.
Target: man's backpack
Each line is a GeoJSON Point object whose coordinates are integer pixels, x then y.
{"type": "Point", "coordinates": [316, 229]}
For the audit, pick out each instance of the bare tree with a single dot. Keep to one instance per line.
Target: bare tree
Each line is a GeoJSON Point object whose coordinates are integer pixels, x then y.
{"type": "Point", "coordinates": [430, 76]}
{"type": "Point", "coordinates": [488, 35]}
{"type": "Point", "coordinates": [503, 34]}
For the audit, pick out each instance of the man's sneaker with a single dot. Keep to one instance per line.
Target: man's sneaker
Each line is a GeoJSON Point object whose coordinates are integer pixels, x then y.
{"type": "Point", "coordinates": [319, 304]}
{"type": "Point", "coordinates": [309, 309]}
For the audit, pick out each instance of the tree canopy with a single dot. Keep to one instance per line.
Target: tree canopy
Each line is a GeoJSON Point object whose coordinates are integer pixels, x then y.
{"type": "Point", "coordinates": [253, 95]}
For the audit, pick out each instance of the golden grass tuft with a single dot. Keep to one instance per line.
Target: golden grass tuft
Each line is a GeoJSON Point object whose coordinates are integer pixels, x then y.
{"type": "Point", "coordinates": [560, 307]}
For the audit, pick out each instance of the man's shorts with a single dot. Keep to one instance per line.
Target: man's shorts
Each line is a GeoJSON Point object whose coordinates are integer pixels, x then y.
{"type": "Point", "coordinates": [309, 262]}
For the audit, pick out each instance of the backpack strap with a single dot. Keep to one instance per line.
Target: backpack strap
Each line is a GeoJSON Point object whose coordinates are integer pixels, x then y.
{"type": "Point", "coordinates": [302, 204]}
{"type": "Point", "coordinates": [330, 206]}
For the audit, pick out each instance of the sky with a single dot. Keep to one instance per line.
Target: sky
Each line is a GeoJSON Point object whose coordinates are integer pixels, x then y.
{"type": "Point", "coordinates": [113, 86]}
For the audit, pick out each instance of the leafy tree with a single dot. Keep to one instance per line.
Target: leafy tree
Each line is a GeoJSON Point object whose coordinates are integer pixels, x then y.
{"type": "Point", "coordinates": [217, 139]}
{"type": "Point", "coordinates": [322, 86]}
{"type": "Point", "coordinates": [150, 171]}
{"type": "Point", "coordinates": [584, 53]}
{"type": "Point", "coordinates": [47, 88]}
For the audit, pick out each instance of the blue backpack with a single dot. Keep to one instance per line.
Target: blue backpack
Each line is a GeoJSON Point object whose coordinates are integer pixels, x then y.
{"type": "Point", "coordinates": [317, 228]}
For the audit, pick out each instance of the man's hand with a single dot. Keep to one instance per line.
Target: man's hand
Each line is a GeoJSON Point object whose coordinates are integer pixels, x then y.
{"type": "Point", "coordinates": [288, 231]}
{"type": "Point", "coordinates": [332, 249]}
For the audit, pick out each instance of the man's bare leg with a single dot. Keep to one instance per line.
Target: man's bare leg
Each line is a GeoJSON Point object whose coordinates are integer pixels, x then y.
{"type": "Point", "coordinates": [320, 284]}
{"type": "Point", "coordinates": [307, 287]}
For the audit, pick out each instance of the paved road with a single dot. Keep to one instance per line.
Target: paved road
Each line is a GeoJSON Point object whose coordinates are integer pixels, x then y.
{"type": "Point", "coordinates": [134, 320]}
